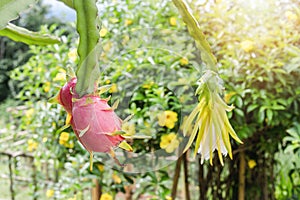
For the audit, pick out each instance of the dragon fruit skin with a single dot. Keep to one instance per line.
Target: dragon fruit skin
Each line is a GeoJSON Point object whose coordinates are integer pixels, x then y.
{"type": "Point", "coordinates": [93, 122]}
{"type": "Point", "coordinates": [92, 115]}
{"type": "Point", "coordinates": [65, 95]}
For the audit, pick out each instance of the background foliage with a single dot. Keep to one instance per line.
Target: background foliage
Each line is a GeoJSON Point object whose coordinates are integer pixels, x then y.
{"type": "Point", "coordinates": [152, 64]}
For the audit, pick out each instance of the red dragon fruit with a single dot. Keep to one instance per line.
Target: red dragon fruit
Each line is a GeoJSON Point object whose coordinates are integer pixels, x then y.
{"type": "Point", "coordinates": [94, 122]}
{"type": "Point", "coordinates": [65, 95]}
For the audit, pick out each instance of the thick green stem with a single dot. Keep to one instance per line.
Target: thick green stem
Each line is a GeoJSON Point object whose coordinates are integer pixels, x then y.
{"type": "Point", "coordinates": [20, 34]}
{"type": "Point", "coordinates": [195, 31]}
{"type": "Point", "coordinates": [88, 49]}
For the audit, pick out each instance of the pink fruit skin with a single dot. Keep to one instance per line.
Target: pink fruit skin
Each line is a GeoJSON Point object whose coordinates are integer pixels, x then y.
{"type": "Point", "coordinates": [92, 112]}
{"type": "Point", "coordinates": [65, 95]}
{"type": "Point", "coordinates": [98, 120]}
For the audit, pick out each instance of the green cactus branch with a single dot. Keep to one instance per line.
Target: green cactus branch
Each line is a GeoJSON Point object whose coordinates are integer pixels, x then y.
{"type": "Point", "coordinates": [88, 49]}
{"type": "Point", "coordinates": [20, 34]}
{"type": "Point", "coordinates": [10, 9]}
{"type": "Point", "coordinates": [194, 29]}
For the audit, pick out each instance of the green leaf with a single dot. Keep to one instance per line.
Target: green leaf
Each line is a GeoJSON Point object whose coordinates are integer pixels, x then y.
{"type": "Point", "coordinates": [261, 115]}
{"type": "Point", "coordinates": [10, 9]}
{"type": "Point", "coordinates": [269, 115]}
{"type": "Point", "coordinates": [20, 34]}
{"type": "Point", "coordinates": [195, 31]}
{"type": "Point", "coordinates": [251, 108]}
{"type": "Point", "coordinates": [88, 50]}
{"type": "Point", "coordinates": [239, 102]}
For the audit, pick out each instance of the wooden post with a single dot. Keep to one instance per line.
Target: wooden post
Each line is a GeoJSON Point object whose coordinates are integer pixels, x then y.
{"type": "Point", "coordinates": [11, 187]}
{"type": "Point", "coordinates": [186, 176]}
{"type": "Point", "coordinates": [242, 171]}
{"type": "Point", "coordinates": [96, 190]}
{"type": "Point", "coordinates": [176, 177]}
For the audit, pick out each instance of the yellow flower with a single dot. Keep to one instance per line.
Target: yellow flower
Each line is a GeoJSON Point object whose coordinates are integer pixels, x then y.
{"type": "Point", "coordinates": [167, 118]}
{"type": "Point", "coordinates": [106, 196]}
{"type": "Point", "coordinates": [128, 22]}
{"type": "Point", "coordinates": [148, 85]}
{"type": "Point", "coordinates": [45, 139]}
{"type": "Point", "coordinates": [168, 198]}
{"type": "Point", "coordinates": [251, 164]}
{"type": "Point", "coordinates": [107, 46]}
{"type": "Point", "coordinates": [125, 40]}
{"type": "Point", "coordinates": [114, 20]}
{"type": "Point", "coordinates": [100, 167]}
{"type": "Point", "coordinates": [211, 122]}
{"type": "Point", "coordinates": [32, 145]}
{"type": "Point", "coordinates": [184, 61]}
{"type": "Point", "coordinates": [72, 55]}
{"type": "Point", "coordinates": [61, 75]}
{"type": "Point", "coordinates": [116, 179]}
{"type": "Point", "coordinates": [29, 113]}
{"type": "Point", "coordinates": [128, 128]}
{"type": "Point", "coordinates": [50, 193]}
{"type": "Point", "coordinates": [228, 96]}
{"type": "Point", "coordinates": [172, 21]}
{"type": "Point", "coordinates": [47, 86]}
{"type": "Point", "coordinates": [103, 32]}
{"type": "Point", "coordinates": [247, 45]}
{"type": "Point", "coordinates": [63, 138]}
{"type": "Point", "coordinates": [291, 16]}
{"type": "Point", "coordinates": [113, 88]}
{"type": "Point", "coordinates": [169, 142]}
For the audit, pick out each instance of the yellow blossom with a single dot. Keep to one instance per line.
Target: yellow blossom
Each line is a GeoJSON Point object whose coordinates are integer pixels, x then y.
{"type": "Point", "coordinates": [32, 145]}
{"type": "Point", "coordinates": [116, 179]}
{"type": "Point", "coordinates": [148, 85]}
{"type": "Point", "coordinates": [291, 16]}
{"type": "Point", "coordinates": [106, 196]}
{"type": "Point", "coordinates": [103, 32]}
{"type": "Point", "coordinates": [128, 128]}
{"type": "Point", "coordinates": [72, 55]}
{"type": "Point", "coordinates": [107, 81]}
{"type": "Point", "coordinates": [50, 193]}
{"type": "Point", "coordinates": [47, 86]}
{"type": "Point", "coordinates": [63, 138]}
{"type": "Point", "coordinates": [167, 118]}
{"type": "Point", "coordinates": [29, 113]}
{"type": "Point", "coordinates": [107, 46]}
{"type": "Point", "coordinates": [172, 21]}
{"type": "Point", "coordinates": [169, 142]}
{"type": "Point", "coordinates": [45, 139]}
{"type": "Point", "coordinates": [128, 22]}
{"type": "Point", "coordinates": [113, 88]}
{"type": "Point", "coordinates": [184, 61]}
{"type": "Point", "coordinates": [125, 40]}
{"type": "Point", "coordinates": [251, 164]}
{"type": "Point", "coordinates": [168, 198]}
{"type": "Point", "coordinates": [114, 20]}
{"type": "Point", "coordinates": [247, 45]}
{"type": "Point", "coordinates": [60, 76]}
{"type": "Point", "coordinates": [211, 125]}
{"type": "Point", "coordinates": [100, 167]}
{"type": "Point", "coordinates": [228, 96]}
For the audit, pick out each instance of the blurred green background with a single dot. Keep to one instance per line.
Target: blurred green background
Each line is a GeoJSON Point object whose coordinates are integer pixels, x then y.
{"type": "Point", "coordinates": [152, 64]}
